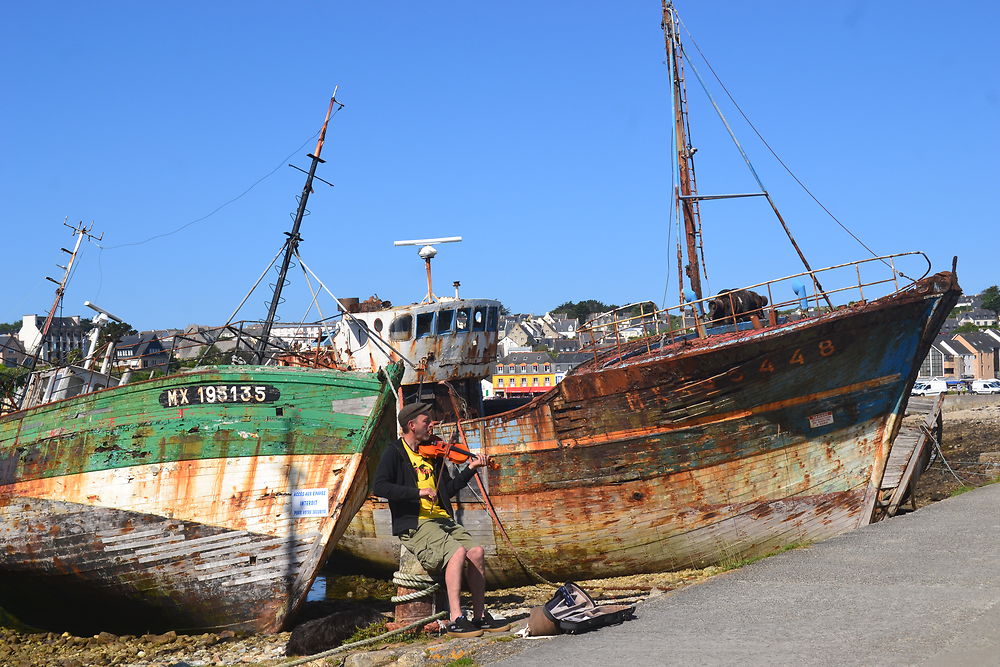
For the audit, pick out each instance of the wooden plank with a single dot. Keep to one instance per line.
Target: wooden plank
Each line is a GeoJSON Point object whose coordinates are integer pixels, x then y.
{"type": "Point", "coordinates": [909, 477]}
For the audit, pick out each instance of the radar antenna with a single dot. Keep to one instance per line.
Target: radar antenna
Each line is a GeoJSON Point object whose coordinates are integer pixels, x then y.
{"type": "Point", "coordinates": [427, 252]}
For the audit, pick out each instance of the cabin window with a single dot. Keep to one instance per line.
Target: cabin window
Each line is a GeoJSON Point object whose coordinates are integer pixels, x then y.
{"type": "Point", "coordinates": [446, 321]}
{"type": "Point", "coordinates": [491, 318]}
{"type": "Point", "coordinates": [401, 328]}
{"type": "Point", "coordinates": [362, 332]}
{"type": "Point", "coordinates": [378, 324]}
{"type": "Point", "coordinates": [425, 324]}
{"type": "Point", "coordinates": [464, 315]}
{"type": "Point", "coordinates": [479, 318]}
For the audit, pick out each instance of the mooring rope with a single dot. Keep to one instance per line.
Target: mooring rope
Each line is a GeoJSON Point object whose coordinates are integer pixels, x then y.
{"type": "Point", "coordinates": [364, 642]}
{"type": "Point", "coordinates": [424, 584]}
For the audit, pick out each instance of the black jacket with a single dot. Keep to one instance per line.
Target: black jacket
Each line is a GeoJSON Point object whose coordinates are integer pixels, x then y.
{"type": "Point", "coordinates": [396, 481]}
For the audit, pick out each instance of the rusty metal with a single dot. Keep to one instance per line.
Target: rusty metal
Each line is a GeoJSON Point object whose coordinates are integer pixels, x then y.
{"type": "Point", "coordinates": [606, 326]}
{"type": "Point", "coordinates": [685, 155]}
{"type": "Point", "coordinates": [700, 451]}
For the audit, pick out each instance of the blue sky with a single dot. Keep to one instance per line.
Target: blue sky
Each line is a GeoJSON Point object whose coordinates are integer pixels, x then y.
{"type": "Point", "coordinates": [538, 131]}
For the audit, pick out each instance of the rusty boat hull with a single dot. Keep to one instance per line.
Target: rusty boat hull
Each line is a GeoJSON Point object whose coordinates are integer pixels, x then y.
{"type": "Point", "coordinates": [678, 454]}
{"type": "Point", "coordinates": [205, 500]}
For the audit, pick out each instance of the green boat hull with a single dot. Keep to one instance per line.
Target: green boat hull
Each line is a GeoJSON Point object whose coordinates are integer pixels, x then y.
{"type": "Point", "coordinates": [204, 500]}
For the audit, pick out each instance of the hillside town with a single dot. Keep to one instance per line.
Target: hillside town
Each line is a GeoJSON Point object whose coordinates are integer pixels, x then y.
{"type": "Point", "coordinates": [534, 352]}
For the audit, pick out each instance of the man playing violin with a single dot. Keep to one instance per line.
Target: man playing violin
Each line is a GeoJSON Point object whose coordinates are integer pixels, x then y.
{"type": "Point", "coordinates": [419, 490]}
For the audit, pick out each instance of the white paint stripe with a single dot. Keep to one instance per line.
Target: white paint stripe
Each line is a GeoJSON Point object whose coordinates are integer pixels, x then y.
{"type": "Point", "coordinates": [219, 575]}
{"type": "Point", "coordinates": [194, 544]}
{"type": "Point", "coordinates": [278, 541]}
{"type": "Point", "coordinates": [245, 559]}
{"type": "Point", "coordinates": [144, 543]}
{"type": "Point", "coordinates": [118, 536]}
{"type": "Point", "coordinates": [276, 574]}
{"type": "Point", "coordinates": [179, 553]}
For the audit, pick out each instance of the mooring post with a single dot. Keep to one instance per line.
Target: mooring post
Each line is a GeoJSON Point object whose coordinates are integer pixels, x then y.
{"type": "Point", "coordinates": [418, 594]}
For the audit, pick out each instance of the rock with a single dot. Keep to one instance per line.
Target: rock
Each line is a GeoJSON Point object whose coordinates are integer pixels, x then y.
{"type": "Point", "coordinates": [72, 662]}
{"type": "Point", "coordinates": [226, 634]}
{"type": "Point", "coordinates": [105, 638]}
{"type": "Point", "coordinates": [165, 638]}
{"type": "Point", "coordinates": [373, 658]}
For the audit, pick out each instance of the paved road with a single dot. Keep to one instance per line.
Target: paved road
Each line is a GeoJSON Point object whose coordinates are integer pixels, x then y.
{"type": "Point", "coordinates": [923, 588]}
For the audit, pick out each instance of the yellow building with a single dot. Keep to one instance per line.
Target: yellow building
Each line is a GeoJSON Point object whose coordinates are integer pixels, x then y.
{"type": "Point", "coordinates": [524, 373]}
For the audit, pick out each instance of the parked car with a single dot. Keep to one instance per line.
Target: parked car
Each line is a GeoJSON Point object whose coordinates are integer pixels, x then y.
{"type": "Point", "coordinates": [928, 387]}
{"type": "Point", "coordinates": [986, 386]}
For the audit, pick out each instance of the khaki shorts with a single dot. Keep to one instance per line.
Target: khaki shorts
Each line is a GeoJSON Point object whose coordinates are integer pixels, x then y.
{"type": "Point", "coordinates": [435, 541]}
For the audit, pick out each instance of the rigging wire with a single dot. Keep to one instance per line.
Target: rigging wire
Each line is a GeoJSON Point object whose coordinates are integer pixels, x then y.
{"type": "Point", "coordinates": [767, 145]}
{"type": "Point", "coordinates": [373, 335]}
{"type": "Point", "coordinates": [225, 204]}
{"type": "Point", "coordinates": [673, 192]}
{"type": "Point", "coordinates": [233, 316]}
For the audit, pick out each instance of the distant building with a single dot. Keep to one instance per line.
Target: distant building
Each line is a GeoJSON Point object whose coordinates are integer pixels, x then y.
{"type": "Point", "coordinates": [986, 362]}
{"type": "Point", "coordinates": [560, 345]}
{"type": "Point", "coordinates": [947, 358]}
{"type": "Point", "coordinates": [300, 334]}
{"type": "Point", "coordinates": [949, 325]}
{"type": "Point", "coordinates": [65, 335]}
{"type": "Point", "coordinates": [11, 351]}
{"type": "Point", "coordinates": [524, 373]}
{"type": "Point", "coordinates": [980, 317]}
{"type": "Point", "coordinates": [567, 361]}
{"type": "Point", "coordinates": [141, 352]}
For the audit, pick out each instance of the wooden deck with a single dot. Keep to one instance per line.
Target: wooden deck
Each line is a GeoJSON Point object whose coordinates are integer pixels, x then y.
{"type": "Point", "coordinates": [909, 451]}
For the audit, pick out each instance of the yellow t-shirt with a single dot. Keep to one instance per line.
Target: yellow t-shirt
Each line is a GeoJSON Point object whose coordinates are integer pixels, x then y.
{"type": "Point", "coordinates": [424, 468]}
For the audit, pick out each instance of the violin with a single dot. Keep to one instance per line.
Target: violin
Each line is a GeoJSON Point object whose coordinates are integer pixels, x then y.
{"type": "Point", "coordinates": [454, 452]}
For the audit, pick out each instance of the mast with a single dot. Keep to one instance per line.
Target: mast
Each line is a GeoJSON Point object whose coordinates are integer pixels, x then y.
{"type": "Point", "coordinates": [35, 354]}
{"type": "Point", "coordinates": [292, 244]}
{"type": "Point", "coordinates": [685, 153]}
{"type": "Point", "coordinates": [79, 231]}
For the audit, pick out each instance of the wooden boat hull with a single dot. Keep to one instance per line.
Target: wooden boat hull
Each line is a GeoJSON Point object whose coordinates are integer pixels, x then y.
{"type": "Point", "coordinates": [651, 459]}
{"type": "Point", "coordinates": [161, 509]}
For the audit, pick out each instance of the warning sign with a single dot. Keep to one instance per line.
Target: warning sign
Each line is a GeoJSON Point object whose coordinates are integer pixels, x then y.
{"type": "Point", "coordinates": [310, 502]}
{"type": "Point", "coordinates": [820, 419]}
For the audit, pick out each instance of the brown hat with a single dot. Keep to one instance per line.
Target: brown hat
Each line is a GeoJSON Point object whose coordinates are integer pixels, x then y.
{"type": "Point", "coordinates": [411, 411]}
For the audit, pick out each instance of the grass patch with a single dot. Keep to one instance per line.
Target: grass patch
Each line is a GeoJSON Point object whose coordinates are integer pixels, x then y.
{"type": "Point", "coordinates": [733, 563]}
{"type": "Point", "coordinates": [378, 628]}
{"type": "Point", "coordinates": [464, 661]}
{"type": "Point", "coordinates": [965, 488]}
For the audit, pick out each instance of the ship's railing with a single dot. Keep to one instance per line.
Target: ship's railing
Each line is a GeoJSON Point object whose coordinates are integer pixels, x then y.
{"type": "Point", "coordinates": [810, 296]}
{"type": "Point", "coordinates": [234, 343]}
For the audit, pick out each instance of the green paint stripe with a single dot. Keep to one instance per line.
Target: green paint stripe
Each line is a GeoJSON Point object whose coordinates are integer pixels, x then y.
{"type": "Point", "coordinates": [128, 426]}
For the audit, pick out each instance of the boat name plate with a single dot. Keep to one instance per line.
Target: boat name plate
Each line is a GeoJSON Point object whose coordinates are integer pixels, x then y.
{"type": "Point", "coordinates": [218, 393]}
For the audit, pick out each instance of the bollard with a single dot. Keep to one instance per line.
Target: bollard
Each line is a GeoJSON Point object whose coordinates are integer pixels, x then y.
{"type": "Point", "coordinates": [408, 611]}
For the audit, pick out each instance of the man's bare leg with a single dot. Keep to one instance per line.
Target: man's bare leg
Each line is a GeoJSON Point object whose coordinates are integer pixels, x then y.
{"type": "Point", "coordinates": [476, 578]}
{"type": "Point", "coordinates": [453, 582]}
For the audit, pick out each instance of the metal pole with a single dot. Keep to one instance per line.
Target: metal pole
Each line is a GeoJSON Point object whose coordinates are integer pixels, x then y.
{"type": "Point", "coordinates": [685, 155]}
{"type": "Point", "coordinates": [292, 244]}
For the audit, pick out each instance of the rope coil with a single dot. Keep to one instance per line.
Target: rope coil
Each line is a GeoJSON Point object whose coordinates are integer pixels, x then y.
{"type": "Point", "coordinates": [425, 585]}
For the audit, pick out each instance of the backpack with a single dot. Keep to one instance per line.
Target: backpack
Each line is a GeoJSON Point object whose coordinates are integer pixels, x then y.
{"type": "Point", "coordinates": [573, 611]}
